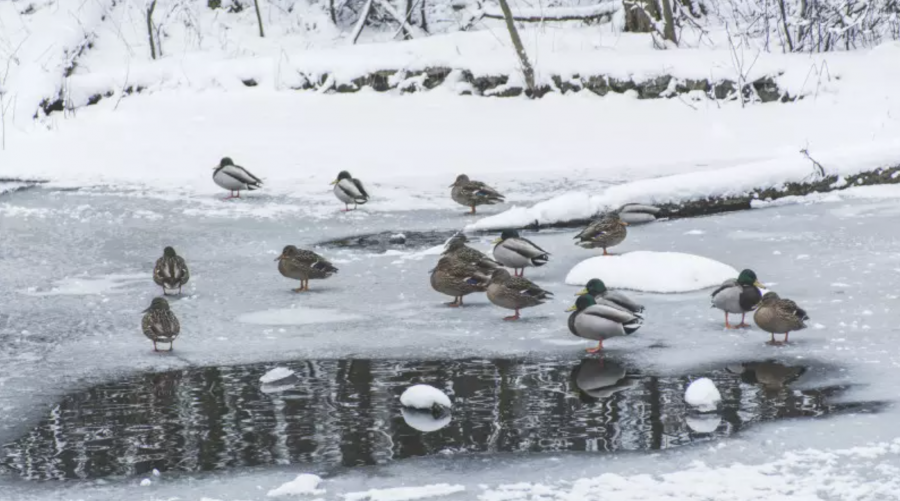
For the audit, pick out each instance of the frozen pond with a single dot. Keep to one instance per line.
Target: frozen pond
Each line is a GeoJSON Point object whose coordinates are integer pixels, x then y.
{"type": "Point", "coordinates": [79, 384]}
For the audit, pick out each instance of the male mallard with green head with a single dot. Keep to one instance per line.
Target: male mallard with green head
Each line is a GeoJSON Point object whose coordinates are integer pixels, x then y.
{"type": "Point", "coordinates": [303, 265]}
{"type": "Point", "coordinates": [349, 190]}
{"type": "Point", "coordinates": [739, 295]}
{"type": "Point", "coordinates": [159, 323]}
{"type": "Point", "coordinates": [234, 178]}
{"type": "Point", "coordinates": [457, 248]}
{"type": "Point", "coordinates": [781, 316]}
{"type": "Point", "coordinates": [599, 321]}
{"type": "Point", "coordinates": [473, 193]}
{"type": "Point", "coordinates": [457, 278]}
{"type": "Point", "coordinates": [608, 231]}
{"type": "Point", "coordinates": [518, 253]}
{"type": "Point", "coordinates": [514, 293]}
{"type": "Point", "coordinates": [171, 272]}
{"type": "Point", "coordinates": [596, 288]}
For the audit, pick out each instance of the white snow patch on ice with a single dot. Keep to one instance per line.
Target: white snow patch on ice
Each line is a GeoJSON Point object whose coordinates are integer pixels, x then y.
{"type": "Point", "coordinates": [81, 286]}
{"type": "Point", "coordinates": [694, 232]}
{"type": "Point", "coordinates": [703, 395]}
{"type": "Point", "coordinates": [304, 484]}
{"type": "Point", "coordinates": [405, 493]}
{"type": "Point", "coordinates": [423, 396]}
{"type": "Point", "coordinates": [146, 482]}
{"type": "Point", "coordinates": [297, 316]}
{"type": "Point", "coordinates": [650, 271]}
{"type": "Point", "coordinates": [276, 374]}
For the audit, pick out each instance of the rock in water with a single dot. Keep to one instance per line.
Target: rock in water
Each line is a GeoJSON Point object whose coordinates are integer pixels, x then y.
{"type": "Point", "coordinates": [703, 395]}
{"type": "Point", "coordinates": [426, 398]}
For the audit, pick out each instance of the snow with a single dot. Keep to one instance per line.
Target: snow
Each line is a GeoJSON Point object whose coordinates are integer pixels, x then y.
{"type": "Point", "coordinates": [297, 316]}
{"type": "Point", "coordinates": [703, 423]}
{"type": "Point", "coordinates": [423, 396]}
{"type": "Point", "coordinates": [703, 394]}
{"type": "Point", "coordinates": [146, 482]}
{"type": "Point", "coordinates": [84, 286]}
{"type": "Point", "coordinates": [304, 484]}
{"type": "Point", "coordinates": [276, 374]}
{"type": "Point", "coordinates": [425, 422]}
{"type": "Point", "coordinates": [651, 271]}
{"type": "Point", "coordinates": [405, 493]}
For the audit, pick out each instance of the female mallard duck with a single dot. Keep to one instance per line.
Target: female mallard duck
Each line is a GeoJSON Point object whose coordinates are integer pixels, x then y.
{"type": "Point", "coordinates": [303, 265]}
{"type": "Point", "coordinates": [474, 193]}
{"type": "Point", "coordinates": [514, 293]}
{"type": "Point", "coordinates": [235, 178]}
{"type": "Point", "coordinates": [739, 295]}
{"type": "Point", "coordinates": [770, 374]}
{"type": "Point", "coordinates": [170, 272]}
{"type": "Point", "coordinates": [595, 287]}
{"type": "Point", "coordinates": [591, 320]}
{"type": "Point", "coordinates": [456, 247]}
{"type": "Point", "coordinates": [776, 315]}
{"type": "Point", "coordinates": [517, 253]}
{"type": "Point", "coordinates": [608, 231]}
{"type": "Point", "coordinates": [457, 278]}
{"type": "Point", "coordinates": [349, 190]}
{"type": "Point", "coordinates": [159, 323]}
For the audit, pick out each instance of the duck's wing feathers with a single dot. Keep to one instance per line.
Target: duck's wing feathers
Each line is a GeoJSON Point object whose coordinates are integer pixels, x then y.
{"type": "Point", "coordinates": [478, 189]}
{"type": "Point", "coordinates": [522, 285]}
{"type": "Point", "coordinates": [183, 272]}
{"type": "Point", "coordinates": [597, 228]}
{"type": "Point", "coordinates": [624, 301]}
{"type": "Point", "coordinates": [353, 190]}
{"type": "Point", "coordinates": [790, 308]}
{"type": "Point", "coordinates": [160, 324]}
{"type": "Point", "coordinates": [241, 174]}
{"type": "Point", "coordinates": [309, 258]}
{"type": "Point", "coordinates": [361, 188]}
{"type": "Point", "coordinates": [731, 282]}
{"type": "Point", "coordinates": [524, 247]}
{"type": "Point", "coordinates": [608, 312]}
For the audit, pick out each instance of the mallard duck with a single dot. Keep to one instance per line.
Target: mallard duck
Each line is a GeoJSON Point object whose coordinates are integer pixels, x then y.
{"type": "Point", "coordinates": [518, 253]}
{"type": "Point", "coordinates": [598, 378]}
{"type": "Point", "coordinates": [474, 193]}
{"type": "Point", "coordinates": [170, 272]}
{"type": "Point", "coordinates": [597, 288]}
{"type": "Point", "coordinates": [770, 374]}
{"type": "Point", "coordinates": [608, 231]}
{"type": "Point", "coordinates": [235, 178]}
{"type": "Point", "coordinates": [159, 323]}
{"type": "Point", "coordinates": [601, 321]}
{"type": "Point", "coordinates": [514, 293]}
{"type": "Point", "coordinates": [638, 213]}
{"type": "Point", "coordinates": [349, 190]}
{"type": "Point", "coordinates": [456, 247]}
{"type": "Point", "coordinates": [739, 295]}
{"type": "Point", "coordinates": [777, 315]}
{"type": "Point", "coordinates": [457, 278]}
{"type": "Point", "coordinates": [303, 265]}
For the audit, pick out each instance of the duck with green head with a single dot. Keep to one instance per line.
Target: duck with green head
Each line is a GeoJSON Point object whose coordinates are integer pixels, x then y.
{"type": "Point", "coordinates": [740, 295]}
{"type": "Point", "coordinates": [599, 321]}
{"type": "Point", "coordinates": [349, 190]}
{"type": "Point", "coordinates": [596, 288]}
{"type": "Point", "coordinates": [518, 253]}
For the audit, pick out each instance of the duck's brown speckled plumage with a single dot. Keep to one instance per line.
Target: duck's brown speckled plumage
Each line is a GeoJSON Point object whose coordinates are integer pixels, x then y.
{"type": "Point", "coordinates": [474, 193]}
{"type": "Point", "coordinates": [170, 271]}
{"type": "Point", "coordinates": [456, 247]}
{"type": "Point", "coordinates": [160, 324]}
{"type": "Point", "coordinates": [457, 278]}
{"type": "Point", "coordinates": [515, 293]}
{"type": "Point", "coordinates": [304, 265]}
{"type": "Point", "coordinates": [606, 232]}
{"type": "Point", "coordinates": [779, 316]}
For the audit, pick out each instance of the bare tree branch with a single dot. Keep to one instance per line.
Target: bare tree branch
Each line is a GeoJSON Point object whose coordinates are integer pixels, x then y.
{"type": "Point", "coordinates": [527, 70]}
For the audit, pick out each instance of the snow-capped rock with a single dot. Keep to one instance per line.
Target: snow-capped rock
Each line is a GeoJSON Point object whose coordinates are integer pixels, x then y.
{"type": "Point", "coordinates": [425, 422]}
{"type": "Point", "coordinates": [424, 397]}
{"type": "Point", "coordinates": [703, 395]}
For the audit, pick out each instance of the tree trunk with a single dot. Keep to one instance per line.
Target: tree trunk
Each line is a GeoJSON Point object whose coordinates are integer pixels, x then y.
{"type": "Point", "coordinates": [527, 70]}
{"type": "Point", "coordinates": [640, 15]}
{"type": "Point", "coordinates": [331, 12]}
{"type": "Point", "coordinates": [361, 22]}
{"type": "Point", "coordinates": [422, 15]}
{"type": "Point", "coordinates": [784, 22]}
{"type": "Point", "coordinates": [259, 19]}
{"type": "Point", "coordinates": [669, 28]}
{"type": "Point", "coordinates": [150, 28]}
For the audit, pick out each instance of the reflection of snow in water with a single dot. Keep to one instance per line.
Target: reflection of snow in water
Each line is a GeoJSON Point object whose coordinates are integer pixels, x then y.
{"type": "Point", "coordinates": [425, 421]}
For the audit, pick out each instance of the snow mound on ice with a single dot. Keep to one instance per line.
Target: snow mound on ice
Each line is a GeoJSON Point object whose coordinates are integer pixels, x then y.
{"type": "Point", "coordinates": [405, 493]}
{"type": "Point", "coordinates": [652, 271]}
{"type": "Point", "coordinates": [276, 374]}
{"type": "Point", "coordinates": [422, 396]}
{"type": "Point", "coordinates": [296, 316]}
{"type": "Point", "coordinates": [703, 395]}
{"type": "Point", "coordinates": [424, 421]}
{"type": "Point", "coordinates": [84, 286]}
{"type": "Point", "coordinates": [305, 483]}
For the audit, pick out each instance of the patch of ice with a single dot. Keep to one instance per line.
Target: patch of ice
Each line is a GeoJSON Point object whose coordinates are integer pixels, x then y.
{"type": "Point", "coordinates": [423, 396]}
{"type": "Point", "coordinates": [276, 374]}
{"type": "Point", "coordinates": [304, 484]}
{"type": "Point", "coordinates": [694, 232]}
{"type": "Point", "coordinates": [297, 316]}
{"type": "Point", "coordinates": [405, 493]}
{"type": "Point", "coordinates": [83, 286]}
{"type": "Point", "coordinates": [703, 395]}
{"type": "Point", "coordinates": [424, 421]}
{"type": "Point", "coordinates": [649, 271]}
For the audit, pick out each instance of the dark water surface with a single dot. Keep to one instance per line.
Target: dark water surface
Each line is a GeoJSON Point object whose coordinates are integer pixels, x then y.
{"type": "Point", "coordinates": [347, 413]}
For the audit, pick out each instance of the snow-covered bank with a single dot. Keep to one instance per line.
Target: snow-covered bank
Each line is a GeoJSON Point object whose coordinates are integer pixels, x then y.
{"type": "Point", "coordinates": [756, 180]}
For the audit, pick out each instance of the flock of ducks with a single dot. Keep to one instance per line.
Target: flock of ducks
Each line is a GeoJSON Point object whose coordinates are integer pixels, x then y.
{"type": "Point", "coordinates": [598, 313]}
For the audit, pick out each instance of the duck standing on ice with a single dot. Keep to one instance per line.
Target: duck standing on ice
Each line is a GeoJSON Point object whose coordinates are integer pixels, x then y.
{"type": "Point", "coordinates": [349, 190]}
{"type": "Point", "coordinates": [739, 295]}
{"type": "Point", "coordinates": [235, 178]}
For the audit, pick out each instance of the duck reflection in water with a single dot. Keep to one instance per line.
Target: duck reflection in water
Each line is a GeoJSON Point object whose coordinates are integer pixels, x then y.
{"type": "Point", "coordinates": [771, 375]}
{"type": "Point", "coordinates": [600, 378]}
